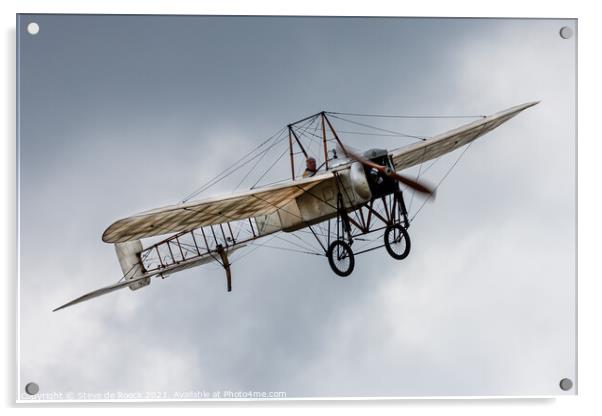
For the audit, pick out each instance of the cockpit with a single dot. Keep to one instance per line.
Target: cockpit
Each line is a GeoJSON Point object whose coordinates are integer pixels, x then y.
{"type": "Point", "coordinates": [380, 184]}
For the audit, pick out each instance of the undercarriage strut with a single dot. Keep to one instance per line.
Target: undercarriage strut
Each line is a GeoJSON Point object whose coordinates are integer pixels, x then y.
{"type": "Point", "coordinates": [226, 264]}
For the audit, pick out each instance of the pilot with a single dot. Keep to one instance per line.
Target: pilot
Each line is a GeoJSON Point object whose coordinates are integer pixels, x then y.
{"type": "Point", "coordinates": [310, 167]}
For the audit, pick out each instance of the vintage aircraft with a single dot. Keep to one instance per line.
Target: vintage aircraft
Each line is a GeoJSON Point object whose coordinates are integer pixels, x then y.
{"type": "Point", "coordinates": [342, 195]}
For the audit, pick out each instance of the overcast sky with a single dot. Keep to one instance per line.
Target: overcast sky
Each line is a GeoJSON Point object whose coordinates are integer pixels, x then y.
{"type": "Point", "coordinates": [124, 114]}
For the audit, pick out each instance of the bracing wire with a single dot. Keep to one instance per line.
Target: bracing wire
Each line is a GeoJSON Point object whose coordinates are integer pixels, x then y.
{"type": "Point", "coordinates": [256, 246]}
{"type": "Point", "coordinates": [269, 169]}
{"type": "Point", "coordinates": [441, 181]}
{"type": "Point", "coordinates": [412, 136]}
{"type": "Point", "coordinates": [405, 116]}
{"type": "Point", "coordinates": [265, 152]}
{"type": "Point", "coordinates": [230, 169]}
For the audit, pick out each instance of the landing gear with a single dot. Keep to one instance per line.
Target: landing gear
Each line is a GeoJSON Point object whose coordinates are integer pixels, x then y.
{"type": "Point", "coordinates": [397, 241]}
{"type": "Point", "coordinates": [226, 265]}
{"type": "Point", "coordinates": [385, 212]}
{"type": "Point", "coordinates": [341, 258]}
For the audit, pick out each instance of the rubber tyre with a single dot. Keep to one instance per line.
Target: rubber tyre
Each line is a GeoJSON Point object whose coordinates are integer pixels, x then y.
{"type": "Point", "coordinates": [331, 260]}
{"type": "Point", "coordinates": [406, 237]}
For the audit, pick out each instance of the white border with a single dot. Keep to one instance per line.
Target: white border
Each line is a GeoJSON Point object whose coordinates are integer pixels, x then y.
{"type": "Point", "coordinates": [589, 205]}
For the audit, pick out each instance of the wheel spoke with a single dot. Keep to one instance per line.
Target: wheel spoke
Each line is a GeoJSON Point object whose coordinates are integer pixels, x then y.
{"type": "Point", "coordinates": [340, 257]}
{"type": "Point", "coordinates": [397, 242]}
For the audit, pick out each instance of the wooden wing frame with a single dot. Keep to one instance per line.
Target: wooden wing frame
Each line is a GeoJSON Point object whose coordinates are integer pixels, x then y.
{"type": "Point", "coordinates": [211, 211]}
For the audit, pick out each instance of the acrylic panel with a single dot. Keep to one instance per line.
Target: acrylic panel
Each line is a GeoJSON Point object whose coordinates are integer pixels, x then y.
{"type": "Point", "coordinates": [295, 207]}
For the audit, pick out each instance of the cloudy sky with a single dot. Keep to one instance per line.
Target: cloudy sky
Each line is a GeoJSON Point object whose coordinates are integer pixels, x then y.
{"type": "Point", "coordinates": [123, 114]}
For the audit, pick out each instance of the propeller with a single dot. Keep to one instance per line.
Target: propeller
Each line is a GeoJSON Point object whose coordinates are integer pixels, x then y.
{"type": "Point", "coordinates": [387, 171]}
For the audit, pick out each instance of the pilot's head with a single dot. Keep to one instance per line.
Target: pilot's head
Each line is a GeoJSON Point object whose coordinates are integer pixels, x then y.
{"type": "Point", "coordinates": [310, 164]}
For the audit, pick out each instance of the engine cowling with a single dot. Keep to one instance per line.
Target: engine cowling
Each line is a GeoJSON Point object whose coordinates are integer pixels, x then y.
{"type": "Point", "coordinates": [359, 182]}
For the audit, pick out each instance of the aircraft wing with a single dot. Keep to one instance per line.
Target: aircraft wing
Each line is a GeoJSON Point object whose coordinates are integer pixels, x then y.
{"type": "Point", "coordinates": [211, 211]}
{"type": "Point", "coordinates": [441, 144]}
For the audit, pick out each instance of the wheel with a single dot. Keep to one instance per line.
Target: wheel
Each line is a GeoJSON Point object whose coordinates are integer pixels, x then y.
{"type": "Point", "coordinates": [340, 258]}
{"type": "Point", "coordinates": [397, 242]}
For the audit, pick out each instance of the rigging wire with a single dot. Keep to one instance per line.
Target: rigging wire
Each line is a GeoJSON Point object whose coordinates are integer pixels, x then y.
{"type": "Point", "coordinates": [291, 250]}
{"type": "Point", "coordinates": [405, 116]}
{"type": "Point", "coordinates": [380, 129]}
{"type": "Point", "coordinates": [302, 131]}
{"type": "Point", "coordinates": [269, 169]}
{"type": "Point", "coordinates": [228, 171]}
{"type": "Point", "coordinates": [432, 164]}
{"type": "Point", "coordinates": [306, 247]}
{"type": "Point", "coordinates": [441, 181]}
{"type": "Point", "coordinates": [255, 165]}
{"type": "Point", "coordinates": [306, 133]}
{"type": "Point", "coordinates": [365, 133]}
{"type": "Point", "coordinates": [215, 182]}
{"type": "Point", "coordinates": [417, 177]}
{"type": "Point", "coordinates": [256, 246]}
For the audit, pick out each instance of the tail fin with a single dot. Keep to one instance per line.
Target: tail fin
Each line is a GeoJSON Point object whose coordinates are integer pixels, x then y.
{"type": "Point", "coordinates": [128, 254]}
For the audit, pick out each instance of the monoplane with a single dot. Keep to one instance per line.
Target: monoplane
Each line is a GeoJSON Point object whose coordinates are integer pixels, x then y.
{"type": "Point", "coordinates": [350, 195]}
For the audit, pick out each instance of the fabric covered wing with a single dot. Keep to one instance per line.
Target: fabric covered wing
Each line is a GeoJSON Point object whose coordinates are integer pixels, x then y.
{"type": "Point", "coordinates": [192, 215]}
{"type": "Point", "coordinates": [441, 144]}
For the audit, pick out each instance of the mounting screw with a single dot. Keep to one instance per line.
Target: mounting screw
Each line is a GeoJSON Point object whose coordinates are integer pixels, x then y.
{"type": "Point", "coordinates": [566, 384]}
{"type": "Point", "coordinates": [32, 388]}
{"type": "Point", "coordinates": [33, 28]}
{"type": "Point", "coordinates": [566, 32]}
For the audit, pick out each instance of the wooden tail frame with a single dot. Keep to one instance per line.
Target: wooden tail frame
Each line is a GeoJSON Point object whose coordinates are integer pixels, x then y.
{"type": "Point", "coordinates": [202, 245]}
{"type": "Point", "coordinates": [294, 138]}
